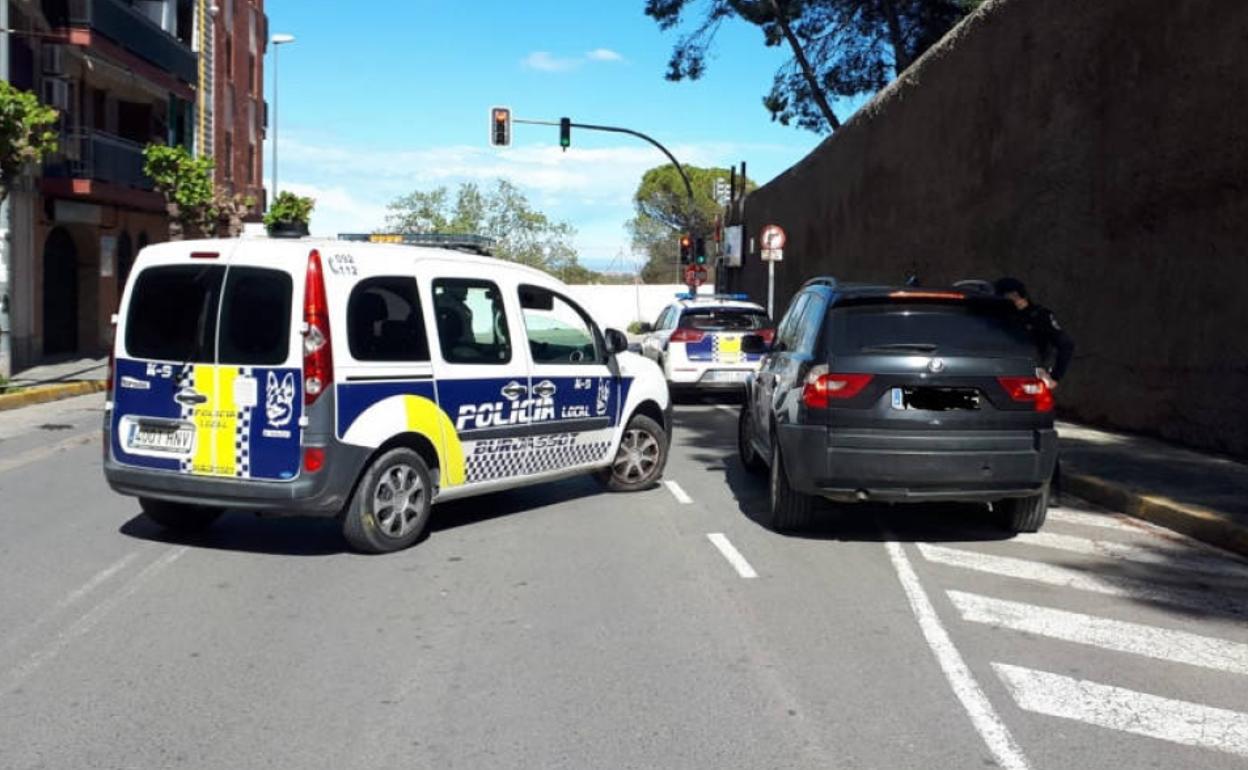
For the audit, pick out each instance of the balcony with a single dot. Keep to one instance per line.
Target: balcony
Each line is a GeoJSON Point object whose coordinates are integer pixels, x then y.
{"type": "Point", "coordinates": [99, 157]}
{"type": "Point", "coordinates": [127, 27]}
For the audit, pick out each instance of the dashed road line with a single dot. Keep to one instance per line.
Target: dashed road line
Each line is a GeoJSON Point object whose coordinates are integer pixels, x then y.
{"type": "Point", "coordinates": [1190, 724]}
{"type": "Point", "coordinates": [1065, 577]}
{"type": "Point", "coordinates": [734, 557]}
{"type": "Point", "coordinates": [1005, 750]}
{"type": "Point", "coordinates": [1116, 635]}
{"type": "Point", "coordinates": [677, 492]}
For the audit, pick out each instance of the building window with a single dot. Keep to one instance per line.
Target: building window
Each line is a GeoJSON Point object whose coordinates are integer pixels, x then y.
{"type": "Point", "coordinates": [251, 164]}
{"type": "Point", "coordinates": [229, 54]}
{"type": "Point", "coordinates": [227, 167]}
{"type": "Point", "coordinates": [251, 73]}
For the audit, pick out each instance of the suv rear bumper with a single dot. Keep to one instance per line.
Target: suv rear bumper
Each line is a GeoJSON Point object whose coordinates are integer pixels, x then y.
{"type": "Point", "coordinates": [895, 466]}
{"type": "Point", "coordinates": [323, 493]}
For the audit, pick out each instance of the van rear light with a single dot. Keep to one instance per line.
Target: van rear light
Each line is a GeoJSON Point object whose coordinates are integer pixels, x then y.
{"type": "Point", "coordinates": [313, 459]}
{"type": "Point", "coordinates": [205, 254]}
{"type": "Point", "coordinates": [768, 335]}
{"type": "Point", "coordinates": [687, 335]}
{"type": "Point", "coordinates": [1031, 390]}
{"type": "Point", "coordinates": [823, 387]}
{"type": "Point", "coordinates": [318, 355]}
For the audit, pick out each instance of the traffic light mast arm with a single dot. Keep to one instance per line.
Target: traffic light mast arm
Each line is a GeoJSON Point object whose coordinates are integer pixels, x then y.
{"type": "Point", "coordinates": [617, 130]}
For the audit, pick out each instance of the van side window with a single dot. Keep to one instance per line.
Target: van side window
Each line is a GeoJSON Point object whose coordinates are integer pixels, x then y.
{"type": "Point", "coordinates": [559, 332]}
{"type": "Point", "coordinates": [384, 322]}
{"type": "Point", "coordinates": [472, 324]}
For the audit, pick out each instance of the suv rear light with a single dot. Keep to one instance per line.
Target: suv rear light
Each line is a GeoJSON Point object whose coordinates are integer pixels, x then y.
{"type": "Point", "coordinates": [768, 335]}
{"type": "Point", "coordinates": [1029, 390]}
{"type": "Point", "coordinates": [687, 335]}
{"type": "Point", "coordinates": [318, 354]}
{"type": "Point", "coordinates": [823, 386]}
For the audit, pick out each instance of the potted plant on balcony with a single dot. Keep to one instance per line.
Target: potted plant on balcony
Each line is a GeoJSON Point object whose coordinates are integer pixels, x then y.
{"type": "Point", "coordinates": [289, 215]}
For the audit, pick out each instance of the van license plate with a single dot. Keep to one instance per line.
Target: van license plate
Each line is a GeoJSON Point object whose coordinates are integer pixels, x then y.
{"type": "Point", "coordinates": [161, 438]}
{"type": "Point", "coordinates": [726, 375]}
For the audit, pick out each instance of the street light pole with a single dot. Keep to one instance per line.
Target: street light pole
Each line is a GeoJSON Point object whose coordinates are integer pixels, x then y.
{"type": "Point", "coordinates": [278, 41]}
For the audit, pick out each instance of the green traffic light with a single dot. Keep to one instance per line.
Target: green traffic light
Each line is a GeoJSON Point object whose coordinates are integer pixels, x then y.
{"type": "Point", "coordinates": [565, 132]}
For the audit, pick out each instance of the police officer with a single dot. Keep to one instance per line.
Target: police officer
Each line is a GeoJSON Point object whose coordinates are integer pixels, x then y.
{"type": "Point", "coordinates": [1051, 340]}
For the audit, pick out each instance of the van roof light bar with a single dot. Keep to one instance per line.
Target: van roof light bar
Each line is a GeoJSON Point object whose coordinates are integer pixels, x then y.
{"type": "Point", "coordinates": [478, 244]}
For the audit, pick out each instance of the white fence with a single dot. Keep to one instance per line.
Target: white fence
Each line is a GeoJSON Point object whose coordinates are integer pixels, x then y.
{"type": "Point", "coordinates": [616, 307]}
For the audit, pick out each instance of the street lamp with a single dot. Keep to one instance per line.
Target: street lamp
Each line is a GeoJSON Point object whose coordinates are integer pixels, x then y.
{"type": "Point", "coordinates": [278, 41]}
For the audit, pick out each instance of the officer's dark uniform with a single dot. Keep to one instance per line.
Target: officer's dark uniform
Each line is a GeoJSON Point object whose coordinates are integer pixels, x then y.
{"type": "Point", "coordinates": [1054, 344]}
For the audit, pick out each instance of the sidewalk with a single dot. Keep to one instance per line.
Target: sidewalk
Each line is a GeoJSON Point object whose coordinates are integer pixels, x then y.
{"type": "Point", "coordinates": [75, 370]}
{"type": "Point", "coordinates": [1203, 496]}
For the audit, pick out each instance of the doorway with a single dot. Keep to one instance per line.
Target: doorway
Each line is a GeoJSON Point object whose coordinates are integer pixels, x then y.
{"type": "Point", "coordinates": [60, 293]}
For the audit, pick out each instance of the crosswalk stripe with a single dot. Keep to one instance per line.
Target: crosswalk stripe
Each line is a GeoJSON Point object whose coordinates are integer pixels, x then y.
{"type": "Point", "coordinates": [1175, 557]}
{"type": "Point", "coordinates": [1066, 577]}
{"type": "Point", "coordinates": [1119, 636]}
{"type": "Point", "coordinates": [1190, 724]}
{"type": "Point", "coordinates": [1102, 520]}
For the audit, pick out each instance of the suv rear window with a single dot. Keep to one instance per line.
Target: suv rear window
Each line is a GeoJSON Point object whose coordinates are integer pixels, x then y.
{"type": "Point", "coordinates": [724, 319]}
{"type": "Point", "coordinates": [972, 327]}
{"type": "Point", "coordinates": [173, 315]}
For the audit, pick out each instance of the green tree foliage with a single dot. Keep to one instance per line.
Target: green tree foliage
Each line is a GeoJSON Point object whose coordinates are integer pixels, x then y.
{"type": "Point", "coordinates": [27, 133]}
{"type": "Point", "coordinates": [841, 48]}
{"type": "Point", "coordinates": [520, 232]}
{"type": "Point", "coordinates": [664, 211]}
{"type": "Point", "coordinates": [186, 182]}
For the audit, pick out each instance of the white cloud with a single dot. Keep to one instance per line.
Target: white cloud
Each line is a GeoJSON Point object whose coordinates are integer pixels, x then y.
{"type": "Point", "coordinates": [603, 54]}
{"type": "Point", "coordinates": [544, 61]}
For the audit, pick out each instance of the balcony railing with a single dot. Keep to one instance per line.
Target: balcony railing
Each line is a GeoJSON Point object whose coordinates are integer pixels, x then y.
{"type": "Point", "coordinates": [127, 27]}
{"type": "Point", "coordinates": [101, 157]}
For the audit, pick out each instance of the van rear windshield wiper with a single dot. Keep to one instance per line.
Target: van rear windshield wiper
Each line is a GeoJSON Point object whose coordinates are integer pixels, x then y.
{"type": "Point", "coordinates": [922, 347]}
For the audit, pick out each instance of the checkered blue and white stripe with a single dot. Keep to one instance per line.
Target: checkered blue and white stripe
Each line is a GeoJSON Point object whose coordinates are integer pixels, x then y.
{"type": "Point", "coordinates": [505, 465]}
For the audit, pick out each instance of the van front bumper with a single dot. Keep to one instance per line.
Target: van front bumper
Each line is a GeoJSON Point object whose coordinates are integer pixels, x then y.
{"type": "Point", "coordinates": [323, 493]}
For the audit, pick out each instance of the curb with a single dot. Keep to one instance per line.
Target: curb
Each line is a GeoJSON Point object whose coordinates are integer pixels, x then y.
{"type": "Point", "coordinates": [43, 395]}
{"type": "Point", "coordinates": [1199, 523]}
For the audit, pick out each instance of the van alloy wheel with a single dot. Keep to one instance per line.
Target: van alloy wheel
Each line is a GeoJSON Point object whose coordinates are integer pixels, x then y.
{"type": "Point", "coordinates": [397, 500]}
{"type": "Point", "coordinates": [637, 457]}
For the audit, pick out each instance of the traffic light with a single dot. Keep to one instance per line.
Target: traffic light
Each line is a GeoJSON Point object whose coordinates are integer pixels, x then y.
{"type": "Point", "coordinates": [699, 251]}
{"type": "Point", "coordinates": [686, 249]}
{"type": "Point", "coordinates": [565, 133]}
{"type": "Point", "coordinates": [500, 127]}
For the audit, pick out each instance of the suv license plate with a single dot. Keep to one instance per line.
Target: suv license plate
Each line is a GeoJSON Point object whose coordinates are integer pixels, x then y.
{"type": "Point", "coordinates": [161, 438]}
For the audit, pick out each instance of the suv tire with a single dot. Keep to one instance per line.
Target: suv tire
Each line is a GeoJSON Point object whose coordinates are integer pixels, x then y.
{"type": "Point", "coordinates": [745, 444]}
{"type": "Point", "coordinates": [179, 517]}
{"type": "Point", "coordinates": [390, 508]}
{"type": "Point", "coordinates": [1025, 514]}
{"type": "Point", "coordinates": [788, 509]}
{"type": "Point", "coordinates": [640, 458]}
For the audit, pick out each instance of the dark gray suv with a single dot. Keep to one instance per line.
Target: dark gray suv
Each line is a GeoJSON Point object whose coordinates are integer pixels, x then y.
{"type": "Point", "coordinates": [877, 393]}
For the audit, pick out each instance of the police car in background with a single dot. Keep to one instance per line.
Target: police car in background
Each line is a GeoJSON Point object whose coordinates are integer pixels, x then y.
{"type": "Point", "coordinates": [366, 381]}
{"type": "Point", "coordinates": [697, 341]}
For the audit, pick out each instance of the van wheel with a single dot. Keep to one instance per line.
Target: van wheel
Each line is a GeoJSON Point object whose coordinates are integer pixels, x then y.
{"type": "Point", "coordinates": [390, 508]}
{"type": "Point", "coordinates": [745, 444]}
{"type": "Point", "coordinates": [179, 517]}
{"type": "Point", "coordinates": [1025, 514]}
{"type": "Point", "coordinates": [640, 459]}
{"type": "Point", "coordinates": [788, 510]}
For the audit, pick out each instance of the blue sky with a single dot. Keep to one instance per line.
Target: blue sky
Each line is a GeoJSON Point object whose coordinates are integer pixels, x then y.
{"type": "Point", "coordinates": [378, 103]}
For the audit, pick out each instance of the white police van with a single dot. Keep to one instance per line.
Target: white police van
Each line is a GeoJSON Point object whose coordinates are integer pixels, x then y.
{"type": "Point", "coordinates": [697, 341]}
{"type": "Point", "coordinates": [366, 380]}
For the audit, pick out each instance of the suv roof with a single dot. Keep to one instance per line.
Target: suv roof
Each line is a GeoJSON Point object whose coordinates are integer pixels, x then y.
{"type": "Point", "coordinates": [848, 293]}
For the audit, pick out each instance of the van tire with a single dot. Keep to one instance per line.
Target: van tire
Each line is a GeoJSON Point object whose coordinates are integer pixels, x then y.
{"type": "Point", "coordinates": [369, 524]}
{"type": "Point", "coordinates": [1025, 514]}
{"type": "Point", "coordinates": [179, 517]}
{"type": "Point", "coordinates": [745, 443]}
{"type": "Point", "coordinates": [649, 440]}
{"type": "Point", "coordinates": [788, 510]}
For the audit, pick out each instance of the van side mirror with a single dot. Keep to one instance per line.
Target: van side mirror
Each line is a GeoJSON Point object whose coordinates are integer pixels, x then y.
{"type": "Point", "coordinates": [645, 328]}
{"type": "Point", "coordinates": [754, 344]}
{"type": "Point", "coordinates": [616, 341]}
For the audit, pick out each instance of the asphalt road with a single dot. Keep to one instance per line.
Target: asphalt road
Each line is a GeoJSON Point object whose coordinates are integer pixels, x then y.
{"type": "Point", "coordinates": [560, 627]}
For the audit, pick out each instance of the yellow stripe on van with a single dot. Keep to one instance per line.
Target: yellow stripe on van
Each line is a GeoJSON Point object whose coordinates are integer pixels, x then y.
{"type": "Point", "coordinates": [214, 421]}
{"type": "Point", "coordinates": [424, 417]}
{"type": "Point", "coordinates": [225, 457]}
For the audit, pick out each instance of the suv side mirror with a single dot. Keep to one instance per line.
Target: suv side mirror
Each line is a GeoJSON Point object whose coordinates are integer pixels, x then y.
{"type": "Point", "coordinates": [616, 341]}
{"type": "Point", "coordinates": [754, 344]}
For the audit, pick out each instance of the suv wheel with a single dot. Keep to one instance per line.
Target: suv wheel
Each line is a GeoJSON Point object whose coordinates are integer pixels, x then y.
{"type": "Point", "coordinates": [640, 458]}
{"type": "Point", "coordinates": [390, 508]}
{"type": "Point", "coordinates": [179, 517]}
{"type": "Point", "coordinates": [1025, 514]}
{"type": "Point", "coordinates": [789, 510]}
{"type": "Point", "coordinates": [745, 442]}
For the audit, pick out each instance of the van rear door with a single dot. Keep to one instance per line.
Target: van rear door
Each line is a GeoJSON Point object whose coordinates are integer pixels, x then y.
{"type": "Point", "coordinates": [207, 381]}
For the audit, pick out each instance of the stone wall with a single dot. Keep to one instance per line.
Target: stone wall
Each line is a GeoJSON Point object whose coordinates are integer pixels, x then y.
{"type": "Point", "coordinates": [1097, 150]}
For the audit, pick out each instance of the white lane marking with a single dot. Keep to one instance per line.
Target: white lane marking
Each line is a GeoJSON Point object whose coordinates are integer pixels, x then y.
{"type": "Point", "coordinates": [1065, 577]}
{"type": "Point", "coordinates": [734, 557]}
{"type": "Point", "coordinates": [1191, 724]}
{"type": "Point", "coordinates": [1102, 520]}
{"type": "Point", "coordinates": [991, 729]}
{"type": "Point", "coordinates": [1119, 636]}
{"type": "Point", "coordinates": [728, 409]}
{"type": "Point", "coordinates": [40, 453]}
{"type": "Point", "coordinates": [677, 492]}
{"type": "Point", "coordinates": [84, 624]}
{"type": "Point", "coordinates": [73, 597]}
{"type": "Point", "coordinates": [1167, 555]}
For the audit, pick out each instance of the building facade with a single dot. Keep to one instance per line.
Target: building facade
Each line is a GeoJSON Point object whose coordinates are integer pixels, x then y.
{"type": "Point", "coordinates": [235, 115]}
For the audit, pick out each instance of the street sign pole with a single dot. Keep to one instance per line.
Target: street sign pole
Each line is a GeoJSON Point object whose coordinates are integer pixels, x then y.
{"type": "Point", "coordinates": [773, 240]}
{"type": "Point", "coordinates": [771, 289]}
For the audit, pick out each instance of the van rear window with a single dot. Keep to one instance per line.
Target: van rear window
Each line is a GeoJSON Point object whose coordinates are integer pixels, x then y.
{"type": "Point", "coordinates": [173, 315]}
{"type": "Point", "coordinates": [723, 319]}
{"type": "Point", "coordinates": [966, 327]}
